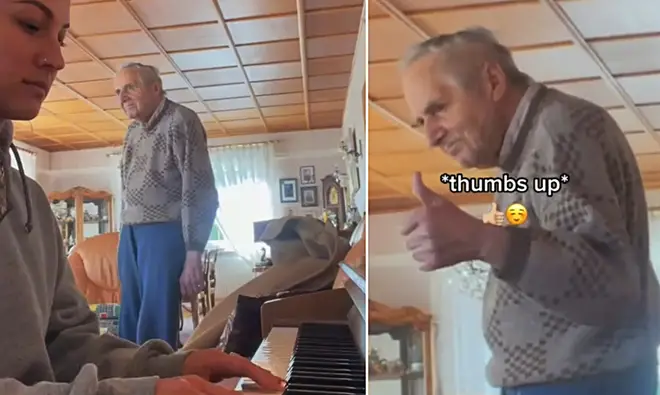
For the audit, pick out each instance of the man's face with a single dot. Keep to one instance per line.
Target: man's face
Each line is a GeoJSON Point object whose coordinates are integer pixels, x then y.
{"type": "Point", "coordinates": [459, 121]}
{"type": "Point", "coordinates": [138, 100]}
{"type": "Point", "coordinates": [31, 37]}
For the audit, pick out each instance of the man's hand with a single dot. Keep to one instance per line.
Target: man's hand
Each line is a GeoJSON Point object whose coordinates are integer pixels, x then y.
{"type": "Point", "coordinates": [192, 277]}
{"type": "Point", "coordinates": [493, 217]}
{"type": "Point", "coordinates": [439, 234]}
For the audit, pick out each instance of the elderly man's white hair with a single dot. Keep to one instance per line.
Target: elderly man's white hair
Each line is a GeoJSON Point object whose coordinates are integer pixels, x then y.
{"type": "Point", "coordinates": [464, 54]}
{"type": "Point", "coordinates": [148, 74]}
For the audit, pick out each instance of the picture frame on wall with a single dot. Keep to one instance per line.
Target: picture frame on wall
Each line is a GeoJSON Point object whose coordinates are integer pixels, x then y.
{"type": "Point", "coordinates": [288, 190]}
{"type": "Point", "coordinates": [307, 175]}
{"type": "Point", "coordinates": [309, 196]}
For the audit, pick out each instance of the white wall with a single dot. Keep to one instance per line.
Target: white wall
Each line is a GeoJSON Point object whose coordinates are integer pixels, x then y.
{"type": "Point", "coordinates": [42, 161]}
{"type": "Point", "coordinates": [392, 268]}
{"type": "Point", "coordinates": [354, 112]}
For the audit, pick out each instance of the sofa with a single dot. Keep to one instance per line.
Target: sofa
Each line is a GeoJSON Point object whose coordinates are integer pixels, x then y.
{"type": "Point", "coordinates": [94, 265]}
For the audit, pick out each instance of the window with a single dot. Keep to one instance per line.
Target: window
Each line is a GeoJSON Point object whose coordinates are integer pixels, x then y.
{"type": "Point", "coordinates": [242, 174]}
{"type": "Point", "coordinates": [216, 233]}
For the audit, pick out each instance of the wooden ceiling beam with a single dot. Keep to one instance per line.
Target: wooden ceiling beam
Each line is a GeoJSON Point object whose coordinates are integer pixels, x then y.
{"type": "Point", "coordinates": [393, 12]}
{"type": "Point", "coordinates": [389, 115]}
{"type": "Point", "coordinates": [577, 38]}
{"type": "Point", "coordinates": [239, 62]}
{"type": "Point", "coordinates": [90, 103]}
{"type": "Point", "coordinates": [49, 138]}
{"type": "Point", "coordinates": [80, 96]}
{"type": "Point", "coordinates": [167, 56]}
{"type": "Point", "coordinates": [74, 125]}
{"type": "Point", "coordinates": [382, 179]}
{"type": "Point", "coordinates": [300, 6]}
{"type": "Point", "coordinates": [580, 41]}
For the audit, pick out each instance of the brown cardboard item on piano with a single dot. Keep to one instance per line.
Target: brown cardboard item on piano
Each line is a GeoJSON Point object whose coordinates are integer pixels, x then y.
{"type": "Point", "coordinates": [305, 254]}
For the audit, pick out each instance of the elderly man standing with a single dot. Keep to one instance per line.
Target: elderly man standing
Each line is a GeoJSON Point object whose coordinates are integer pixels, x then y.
{"type": "Point", "coordinates": [571, 305]}
{"type": "Point", "coordinates": [169, 202]}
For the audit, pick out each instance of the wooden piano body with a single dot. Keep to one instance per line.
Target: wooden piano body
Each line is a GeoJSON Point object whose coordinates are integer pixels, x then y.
{"type": "Point", "coordinates": [335, 305]}
{"type": "Point", "coordinates": [345, 305]}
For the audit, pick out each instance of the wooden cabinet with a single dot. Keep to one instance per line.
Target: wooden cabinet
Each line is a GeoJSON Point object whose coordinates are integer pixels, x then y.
{"type": "Point", "coordinates": [401, 355]}
{"type": "Point", "coordinates": [82, 213]}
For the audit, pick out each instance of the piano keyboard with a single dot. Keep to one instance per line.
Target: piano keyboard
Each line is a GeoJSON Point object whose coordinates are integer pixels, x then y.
{"type": "Point", "coordinates": [314, 359]}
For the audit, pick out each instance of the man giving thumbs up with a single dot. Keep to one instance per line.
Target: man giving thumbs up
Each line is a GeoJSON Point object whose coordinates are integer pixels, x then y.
{"type": "Point", "coordinates": [439, 234]}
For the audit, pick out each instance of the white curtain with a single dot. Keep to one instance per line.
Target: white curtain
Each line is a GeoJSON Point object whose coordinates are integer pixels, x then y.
{"type": "Point", "coordinates": [462, 351]}
{"type": "Point", "coordinates": [29, 161]}
{"type": "Point", "coordinates": [243, 175]}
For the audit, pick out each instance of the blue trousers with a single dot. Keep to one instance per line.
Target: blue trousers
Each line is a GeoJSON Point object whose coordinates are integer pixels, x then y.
{"type": "Point", "coordinates": [151, 259]}
{"type": "Point", "coordinates": [638, 380]}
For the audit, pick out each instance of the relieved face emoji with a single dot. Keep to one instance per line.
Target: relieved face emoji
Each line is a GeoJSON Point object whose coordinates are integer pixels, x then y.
{"type": "Point", "coordinates": [516, 214]}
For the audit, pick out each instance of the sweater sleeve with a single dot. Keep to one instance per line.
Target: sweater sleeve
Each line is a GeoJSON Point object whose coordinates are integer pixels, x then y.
{"type": "Point", "coordinates": [73, 340]}
{"type": "Point", "coordinates": [85, 383]}
{"type": "Point", "coordinates": [199, 200]}
{"type": "Point", "coordinates": [580, 261]}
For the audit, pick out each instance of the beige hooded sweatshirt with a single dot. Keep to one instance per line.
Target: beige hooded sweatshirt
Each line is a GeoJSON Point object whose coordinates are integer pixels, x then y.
{"type": "Point", "coordinates": [49, 339]}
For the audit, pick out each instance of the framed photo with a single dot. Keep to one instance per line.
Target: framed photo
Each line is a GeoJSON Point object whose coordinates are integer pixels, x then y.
{"type": "Point", "coordinates": [307, 175]}
{"type": "Point", "coordinates": [288, 190]}
{"type": "Point", "coordinates": [309, 196]}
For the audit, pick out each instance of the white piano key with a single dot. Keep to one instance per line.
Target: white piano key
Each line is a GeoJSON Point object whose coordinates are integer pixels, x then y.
{"type": "Point", "coordinates": [274, 354]}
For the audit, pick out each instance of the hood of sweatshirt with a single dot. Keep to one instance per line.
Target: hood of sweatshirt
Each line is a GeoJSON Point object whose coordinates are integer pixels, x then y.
{"type": "Point", "coordinates": [7, 144]}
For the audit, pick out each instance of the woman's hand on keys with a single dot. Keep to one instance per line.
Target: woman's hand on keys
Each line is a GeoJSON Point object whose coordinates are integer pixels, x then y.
{"type": "Point", "coordinates": [202, 368]}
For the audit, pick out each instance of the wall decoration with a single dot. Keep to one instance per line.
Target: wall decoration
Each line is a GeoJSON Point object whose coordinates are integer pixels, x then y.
{"type": "Point", "coordinates": [351, 150]}
{"type": "Point", "coordinates": [334, 200]}
{"type": "Point", "coordinates": [309, 196]}
{"type": "Point", "coordinates": [288, 190]}
{"type": "Point", "coordinates": [307, 175]}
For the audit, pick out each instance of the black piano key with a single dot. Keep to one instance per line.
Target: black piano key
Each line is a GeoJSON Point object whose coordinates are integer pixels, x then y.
{"type": "Point", "coordinates": [321, 380]}
{"type": "Point", "coordinates": [334, 372]}
{"type": "Point", "coordinates": [327, 371]}
{"type": "Point", "coordinates": [326, 387]}
{"type": "Point", "coordinates": [325, 361]}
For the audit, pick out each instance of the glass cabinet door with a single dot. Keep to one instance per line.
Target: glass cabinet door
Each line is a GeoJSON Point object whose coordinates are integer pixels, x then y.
{"type": "Point", "coordinates": [65, 214]}
{"type": "Point", "coordinates": [96, 217]}
{"type": "Point", "coordinates": [396, 361]}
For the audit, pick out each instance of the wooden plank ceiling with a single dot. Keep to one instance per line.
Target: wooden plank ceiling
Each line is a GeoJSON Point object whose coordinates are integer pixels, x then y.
{"type": "Point", "coordinates": [605, 51]}
{"type": "Point", "coordinates": [242, 65]}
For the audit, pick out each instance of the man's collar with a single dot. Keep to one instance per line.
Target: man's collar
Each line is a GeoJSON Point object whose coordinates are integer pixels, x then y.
{"type": "Point", "coordinates": [155, 117]}
{"type": "Point", "coordinates": [509, 151]}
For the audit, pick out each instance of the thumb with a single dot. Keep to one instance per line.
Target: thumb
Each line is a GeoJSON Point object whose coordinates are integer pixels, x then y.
{"type": "Point", "coordinates": [421, 191]}
{"type": "Point", "coordinates": [493, 207]}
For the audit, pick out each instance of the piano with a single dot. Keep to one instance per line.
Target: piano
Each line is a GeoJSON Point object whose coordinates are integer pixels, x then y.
{"type": "Point", "coordinates": [315, 341]}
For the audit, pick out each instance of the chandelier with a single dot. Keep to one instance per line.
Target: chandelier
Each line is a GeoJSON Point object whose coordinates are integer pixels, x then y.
{"type": "Point", "coordinates": [471, 277]}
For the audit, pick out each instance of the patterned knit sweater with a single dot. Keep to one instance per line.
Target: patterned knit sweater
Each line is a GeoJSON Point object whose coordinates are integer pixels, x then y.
{"type": "Point", "coordinates": [578, 295]}
{"type": "Point", "coordinates": [166, 174]}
